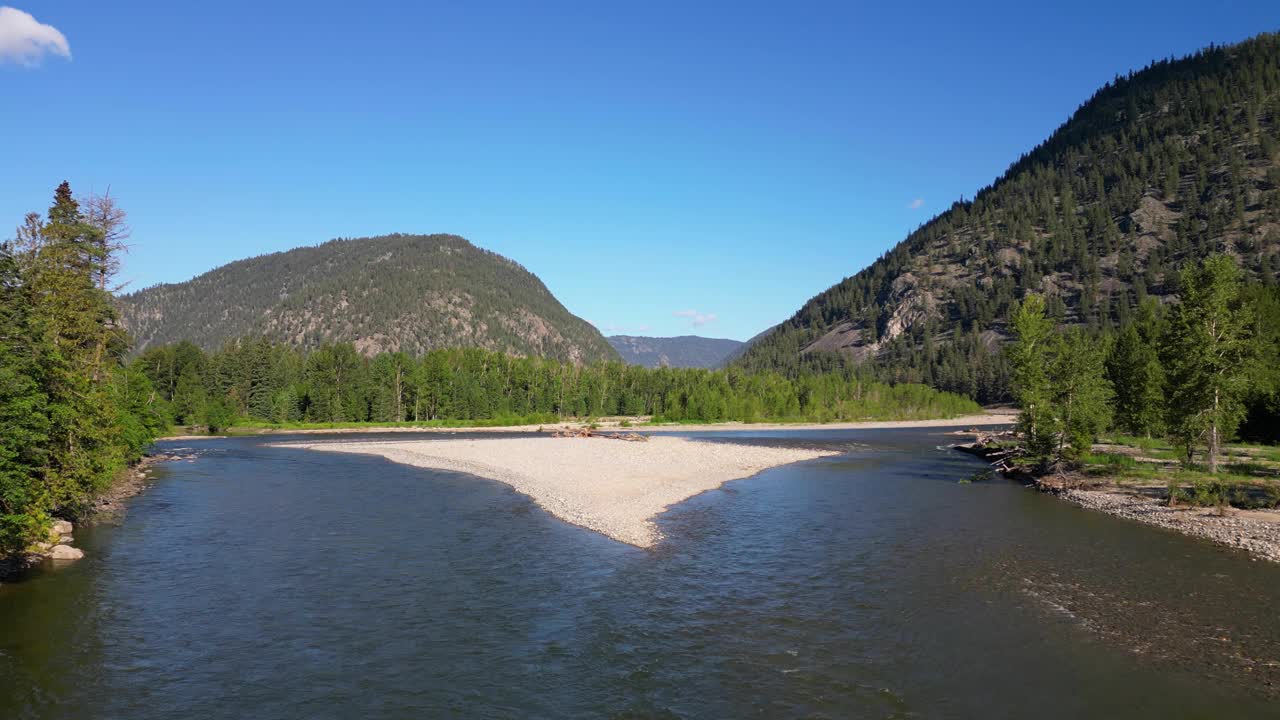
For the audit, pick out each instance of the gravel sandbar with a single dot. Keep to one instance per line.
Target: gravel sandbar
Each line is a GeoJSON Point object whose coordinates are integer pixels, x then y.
{"type": "Point", "coordinates": [613, 487]}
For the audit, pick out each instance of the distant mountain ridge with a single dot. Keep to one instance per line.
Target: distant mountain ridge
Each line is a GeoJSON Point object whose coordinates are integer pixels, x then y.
{"type": "Point", "coordinates": [410, 293]}
{"type": "Point", "coordinates": [1159, 168]}
{"type": "Point", "coordinates": [691, 351]}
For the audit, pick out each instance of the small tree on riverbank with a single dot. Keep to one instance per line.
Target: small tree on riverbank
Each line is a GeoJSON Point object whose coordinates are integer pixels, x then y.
{"type": "Point", "coordinates": [1136, 375]}
{"type": "Point", "coordinates": [1080, 394]}
{"type": "Point", "coordinates": [1207, 350]}
{"type": "Point", "coordinates": [1029, 358]}
{"type": "Point", "coordinates": [1059, 387]}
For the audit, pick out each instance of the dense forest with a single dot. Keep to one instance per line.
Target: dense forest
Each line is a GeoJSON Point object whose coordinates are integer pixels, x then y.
{"type": "Point", "coordinates": [72, 414]}
{"type": "Point", "coordinates": [410, 293]}
{"type": "Point", "coordinates": [1186, 371]}
{"type": "Point", "coordinates": [1158, 169]}
{"type": "Point", "coordinates": [257, 380]}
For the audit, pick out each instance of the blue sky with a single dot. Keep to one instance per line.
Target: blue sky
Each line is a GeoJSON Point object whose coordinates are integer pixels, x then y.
{"type": "Point", "coordinates": [665, 167]}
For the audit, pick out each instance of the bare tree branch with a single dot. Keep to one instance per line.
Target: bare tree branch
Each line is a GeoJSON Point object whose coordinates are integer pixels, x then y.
{"type": "Point", "coordinates": [112, 222]}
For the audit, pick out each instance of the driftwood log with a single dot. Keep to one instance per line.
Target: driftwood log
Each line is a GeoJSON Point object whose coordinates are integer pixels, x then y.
{"type": "Point", "coordinates": [591, 433]}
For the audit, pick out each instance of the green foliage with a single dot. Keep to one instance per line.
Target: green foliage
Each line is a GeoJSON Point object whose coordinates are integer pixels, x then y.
{"type": "Point", "coordinates": [1201, 492]}
{"type": "Point", "coordinates": [24, 423]}
{"type": "Point", "coordinates": [1262, 398]}
{"type": "Point", "coordinates": [1059, 386]}
{"type": "Point", "coordinates": [411, 293]}
{"type": "Point", "coordinates": [1208, 352]}
{"type": "Point", "coordinates": [70, 414]}
{"type": "Point", "coordinates": [1136, 374]}
{"type": "Point", "coordinates": [333, 384]}
{"type": "Point", "coordinates": [218, 415]}
{"type": "Point", "coordinates": [1080, 394]}
{"type": "Point", "coordinates": [1189, 374]}
{"type": "Point", "coordinates": [1029, 359]}
{"type": "Point", "coordinates": [1160, 168]}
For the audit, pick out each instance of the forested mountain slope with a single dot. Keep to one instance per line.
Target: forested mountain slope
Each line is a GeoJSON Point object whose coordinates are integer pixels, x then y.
{"type": "Point", "coordinates": [685, 351]}
{"type": "Point", "coordinates": [1166, 165]}
{"type": "Point", "coordinates": [409, 293]}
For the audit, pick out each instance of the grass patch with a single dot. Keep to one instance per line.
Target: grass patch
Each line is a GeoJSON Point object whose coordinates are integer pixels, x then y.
{"type": "Point", "coordinates": [1117, 466]}
{"type": "Point", "coordinates": [1154, 448]}
{"type": "Point", "coordinates": [1221, 492]}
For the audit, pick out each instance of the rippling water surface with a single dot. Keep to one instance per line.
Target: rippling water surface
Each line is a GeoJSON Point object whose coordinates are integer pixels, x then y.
{"type": "Point", "coordinates": [274, 583]}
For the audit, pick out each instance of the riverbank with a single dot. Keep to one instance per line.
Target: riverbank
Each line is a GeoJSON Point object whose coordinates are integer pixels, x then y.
{"type": "Point", "coordinates": [1256, 531]}
{"type": "Point", "coordinates": [612, 487]}
{"type": "Point", "coordinates": [983, 420]}
{"type": "Point", "coordinates": [105, 506]}
{"type": "Point", "coordinates": [997, 417]}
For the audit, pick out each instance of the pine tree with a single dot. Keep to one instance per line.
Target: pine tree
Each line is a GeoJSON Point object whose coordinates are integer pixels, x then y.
{"type": "Point", "coordinates": [23, 422]}
{"type": "Point", "coordinates": [70, 414]}
{"type": "Point", "coordinates": [1133, 367]}
{"type": "Point", "coordinates": [72, 323]}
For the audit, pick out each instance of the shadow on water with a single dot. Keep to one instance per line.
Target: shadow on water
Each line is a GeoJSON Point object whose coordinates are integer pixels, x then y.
{"type": "Point", "coordinates": [260, 582]}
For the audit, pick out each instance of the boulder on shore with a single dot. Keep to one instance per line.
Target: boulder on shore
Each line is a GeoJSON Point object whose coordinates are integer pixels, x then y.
{"type": "Point", "coordinates": [62, 527]}
{"type": "Point", "coordinates": [65, 552]}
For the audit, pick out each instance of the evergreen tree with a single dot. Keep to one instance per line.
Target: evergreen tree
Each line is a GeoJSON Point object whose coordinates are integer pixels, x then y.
{"type": "Point", "coordinates": [72, 323]}
{"type": "Point", "coordinates": [70, 413]}
{"type": "Point", "coordinates": [23, 423]}
{"type": "Point", "coordinates": [1262, 403]}
{"type": "Point", "coordinates": [1134, 369]}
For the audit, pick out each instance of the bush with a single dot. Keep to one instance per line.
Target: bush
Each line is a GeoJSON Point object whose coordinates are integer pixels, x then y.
{"type": "Point", "coordinates": [219, 415]}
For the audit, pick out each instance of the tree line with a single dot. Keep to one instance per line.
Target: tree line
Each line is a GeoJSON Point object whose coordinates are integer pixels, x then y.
{"type": "Point", "coordinates": [1158, 169]}
{"type": "Point", "coordinates": [72, 413]}
{"type": "Point", "coordinates": [1192, 370]}
{"type": "Point", "coordinates": [75, 409]}
{"type": "Point", "coordinates": [257, 380]}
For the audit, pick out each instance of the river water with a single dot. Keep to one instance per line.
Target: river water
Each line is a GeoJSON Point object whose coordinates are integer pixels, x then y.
{"type": "Point", "coordinates": [254, 582]}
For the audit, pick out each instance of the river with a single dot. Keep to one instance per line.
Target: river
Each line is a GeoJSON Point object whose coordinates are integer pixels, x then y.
{"type": "Point", "coordinates": [257, 582]}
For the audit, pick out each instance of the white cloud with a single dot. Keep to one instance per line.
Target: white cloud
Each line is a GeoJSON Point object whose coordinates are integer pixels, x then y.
{"type": "Point", "coordinates": [696, 318]}
{"type": "Point", "coordinates": [25, 41]}
{"type": "Point", "coordinates": [916, 204]}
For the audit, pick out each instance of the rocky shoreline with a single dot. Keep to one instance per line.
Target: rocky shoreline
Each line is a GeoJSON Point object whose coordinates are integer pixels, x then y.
{"type": "Point", "coordinates": [1257, 532]}
{"type": "Point", "coordinates": [106, 506]}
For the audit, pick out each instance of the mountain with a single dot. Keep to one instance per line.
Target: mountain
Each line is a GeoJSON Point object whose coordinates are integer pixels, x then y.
{"type": "Point", "coordinates": [396, 292]}
{"type": "Point", "coordinates": [685, 351]}
{"type": "Point", "coordinates": [1160, 167]}
{"type": "Point", "coordinates": [746, 346]}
